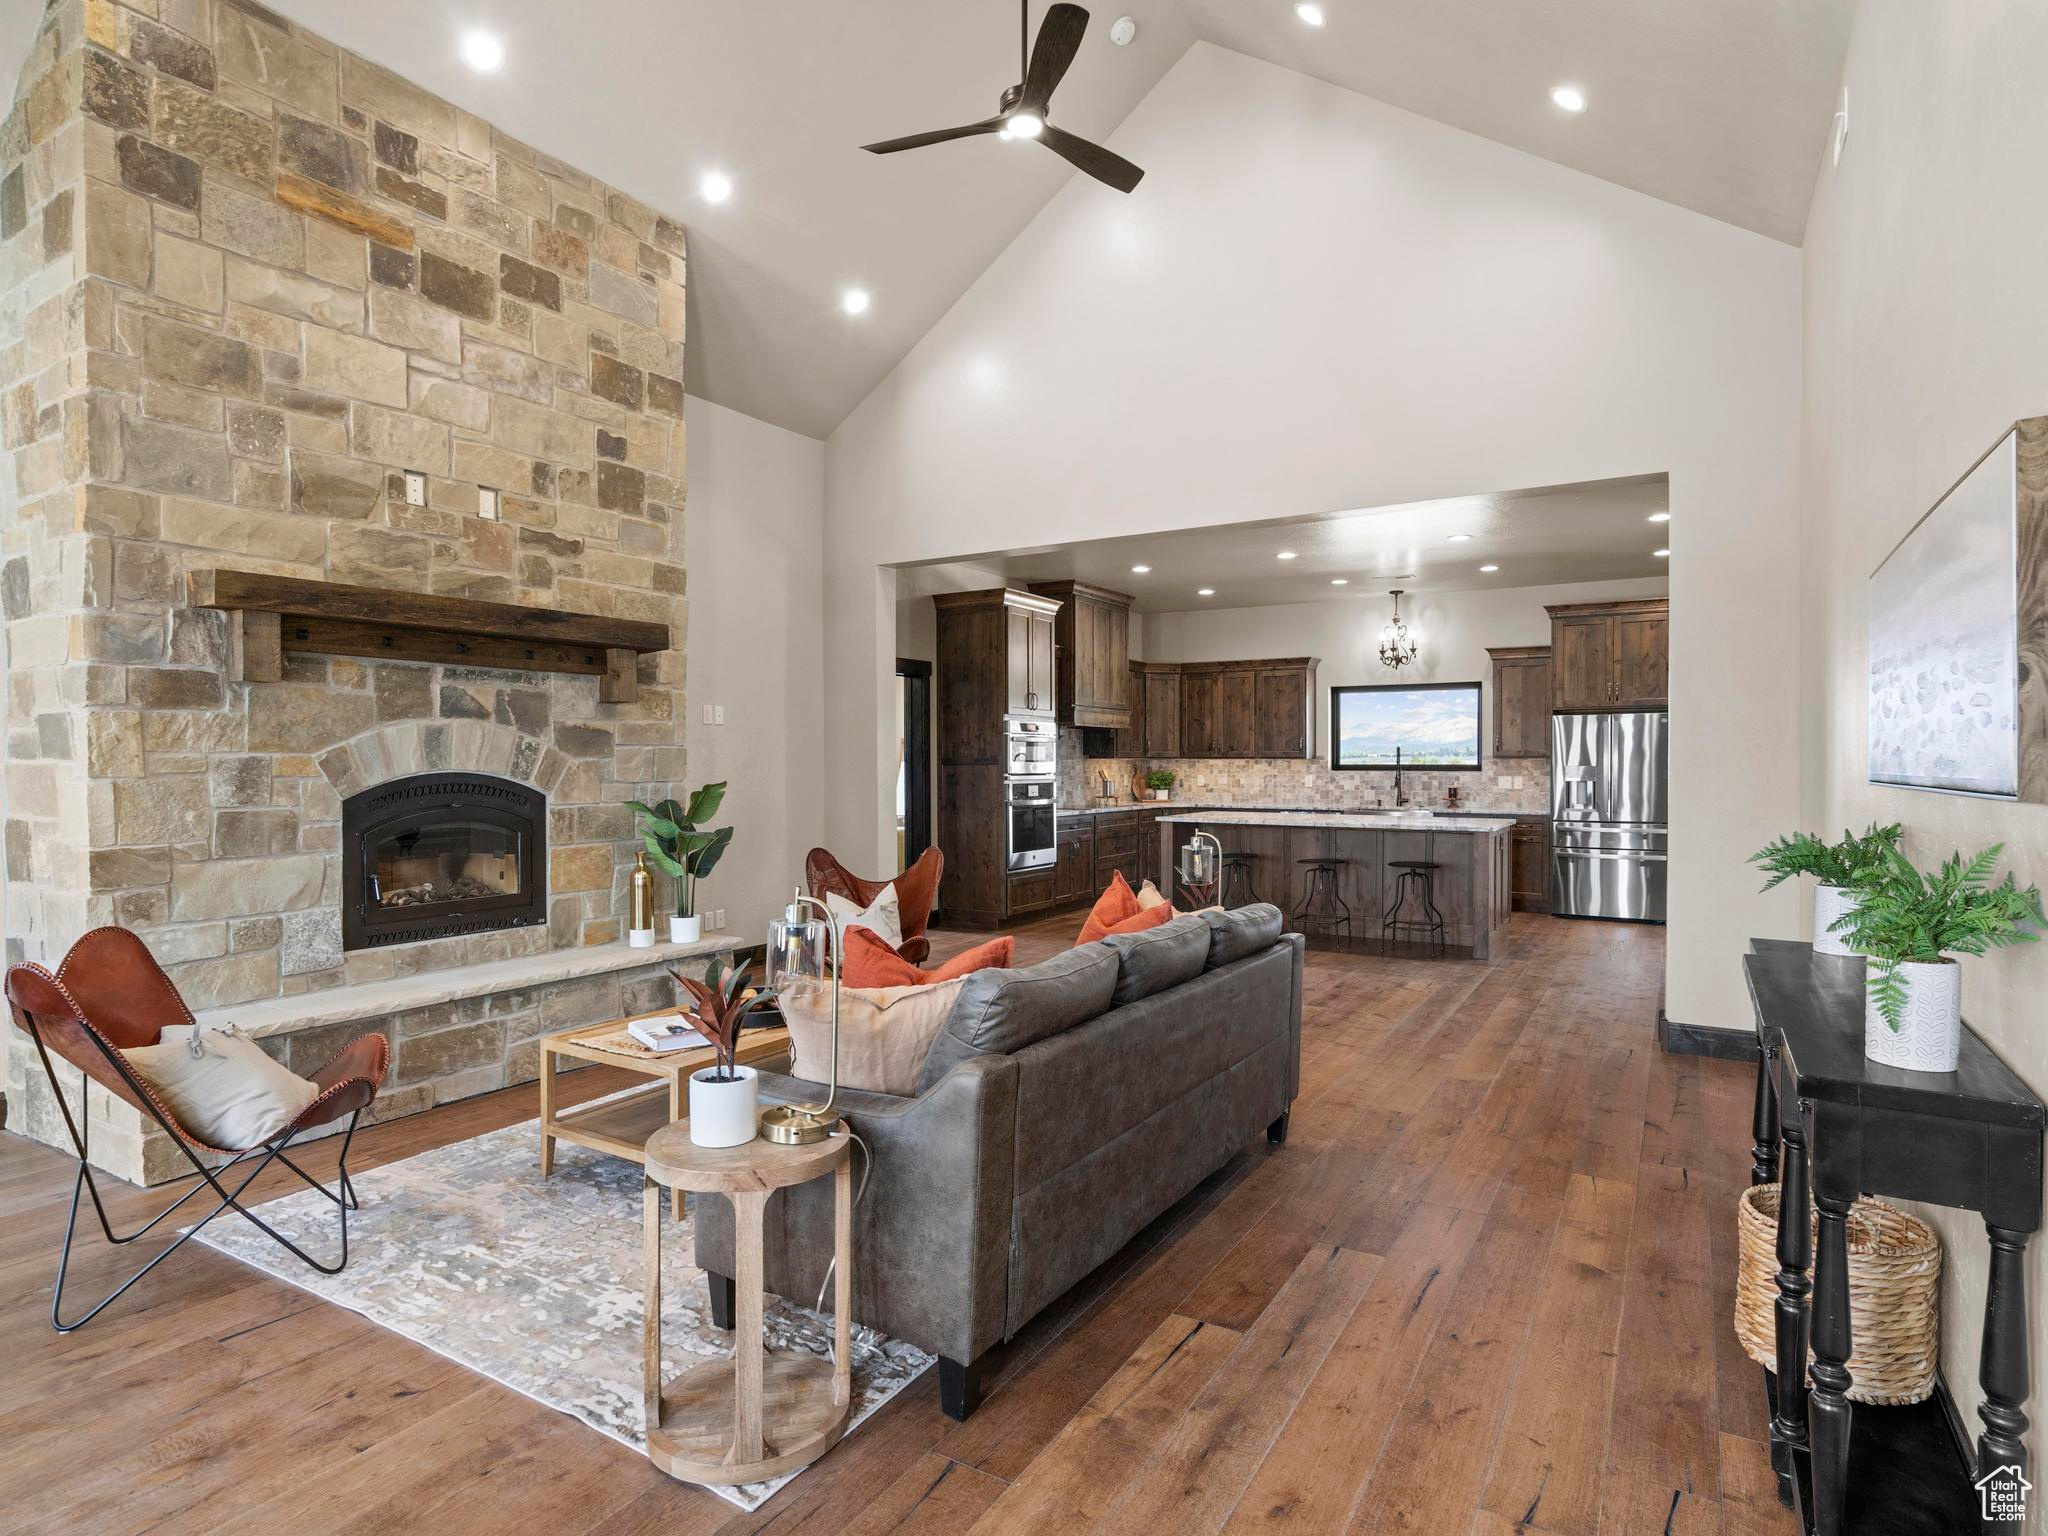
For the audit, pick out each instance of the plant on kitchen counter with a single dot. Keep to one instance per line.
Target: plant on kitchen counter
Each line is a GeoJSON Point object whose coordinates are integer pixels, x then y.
{"type": "Point", "coordinates": [1160, 782]}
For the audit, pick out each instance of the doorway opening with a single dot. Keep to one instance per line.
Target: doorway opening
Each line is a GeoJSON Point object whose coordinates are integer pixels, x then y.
{"type": "Point", "coordinates": [913, 759]}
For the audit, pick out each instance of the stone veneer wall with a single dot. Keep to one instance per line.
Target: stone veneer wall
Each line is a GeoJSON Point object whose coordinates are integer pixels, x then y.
{"type": "Point", "coordinates": [296, 275]}
{"type": "Point", "coordinates": [247, 279]}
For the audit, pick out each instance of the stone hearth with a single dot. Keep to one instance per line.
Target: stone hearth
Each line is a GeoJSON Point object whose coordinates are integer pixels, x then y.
{"type": "Point", "coordinates": [248, 280]}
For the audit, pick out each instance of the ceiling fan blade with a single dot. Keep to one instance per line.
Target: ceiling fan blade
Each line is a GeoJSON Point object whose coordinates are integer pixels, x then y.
{"type": "Point", "coordinates": [1059, 39]}
{"type": "Point", "coordinates": [936, 136]}
{"type": "Point", "coordinates": [1092, 158]}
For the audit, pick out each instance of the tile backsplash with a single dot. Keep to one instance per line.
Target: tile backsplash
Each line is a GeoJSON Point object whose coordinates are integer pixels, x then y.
{"type": "Point", "coordinates": [1505, 784]}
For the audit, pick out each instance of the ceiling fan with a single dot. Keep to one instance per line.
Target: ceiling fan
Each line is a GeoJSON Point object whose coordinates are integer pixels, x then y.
{"type": "Point", "coordinates": [1021, 114]}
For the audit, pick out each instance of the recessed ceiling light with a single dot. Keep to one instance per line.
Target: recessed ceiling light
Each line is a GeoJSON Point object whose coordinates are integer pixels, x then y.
{"type": "Point", "coordinates": [1569, 97]}
{"type": "Point", "coordinates": [854, 301]}
{"type": "Point", "coordinates": [1488, 570]}
{"type": "Point", "coordinates": [1311, 13]}
{"type": "Point", "coordinates": [1459, 538]}
{"type": "Point", "coordinates": [1285, 554]}
{"type": "Point", "coordinates": [1661, 554]}
{"type": "Point", "coordinates": [1141, 570]}
{"type": "Point", "coordinates": [716, 187]}
{"type": "Point", "coordinates": [1660, 517]}
{"type": "Point", "coordinates": [1205, 592]}
{"type": "Point", "coordinates": [482, 52]}
{"type": "Point", "coordinates": [1340, 581]}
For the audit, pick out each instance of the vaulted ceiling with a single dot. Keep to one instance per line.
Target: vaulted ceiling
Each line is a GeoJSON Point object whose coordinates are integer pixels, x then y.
{"type": "Point", "coordinates": [1720, 107]}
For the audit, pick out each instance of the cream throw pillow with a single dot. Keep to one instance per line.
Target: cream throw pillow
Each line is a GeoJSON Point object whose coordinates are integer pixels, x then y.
{"type": "Point", "coordinates": [227, 1092]}
{"type": "Point", "coordinates": [885, 1033]}
{"type": "Point", "coordinates": [1149, 897]}
{"type": "Point", "coordinates": [882, 915]}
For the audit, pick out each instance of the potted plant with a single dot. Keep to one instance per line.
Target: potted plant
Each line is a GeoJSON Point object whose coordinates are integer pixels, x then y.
{"type": "Point", "coordinates": [1910, 925]}
{"type": "Point", "coordinates": [681, 848]}
{"type": "Point", "coordinates": [1160, 782]}
{"type": "Point", "coordinates": [723, 1096]}
{"type": "Point", "coordinates": [1837, 866]}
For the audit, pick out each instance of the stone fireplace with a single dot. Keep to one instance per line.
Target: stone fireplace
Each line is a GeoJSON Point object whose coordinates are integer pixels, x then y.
{"type": "Point", "coordinates": [433, 855]}
{"type": "Point", "coordinates": [250, 284]}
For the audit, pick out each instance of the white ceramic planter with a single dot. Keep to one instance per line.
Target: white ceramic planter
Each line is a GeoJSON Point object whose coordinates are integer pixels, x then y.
{"type": "Point", "coordinates": [640, 938]}
{"type": "Point", "coordinates": [685, 930]}
{"type": "Point", "coordinates": [723, 1114]}
{"type": "Point", "coordinates": [1830, 902]}
{"type": "Point", "coordinates": [1161, 794]}
{"type": "Point", "coordinates": [1931, 1028]}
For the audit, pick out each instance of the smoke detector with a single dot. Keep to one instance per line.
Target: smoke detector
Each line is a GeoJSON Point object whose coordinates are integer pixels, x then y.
{"type": "Point", "coordinates": [1122, 30]}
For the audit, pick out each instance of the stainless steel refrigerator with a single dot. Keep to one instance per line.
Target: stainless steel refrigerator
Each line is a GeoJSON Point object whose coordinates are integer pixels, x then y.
{"type": "Point", "coordinates": [1609, 811]}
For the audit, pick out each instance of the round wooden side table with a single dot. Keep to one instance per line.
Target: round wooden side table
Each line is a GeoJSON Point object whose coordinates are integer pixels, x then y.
{"type": "Point", "coordinates": [755, 1414]}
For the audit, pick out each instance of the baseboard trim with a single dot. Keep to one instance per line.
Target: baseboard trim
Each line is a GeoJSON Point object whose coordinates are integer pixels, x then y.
{"type": "Point", "coordinates": [1958, 1435]}
{"type": "Point", "coordinates": [1676, 1039]}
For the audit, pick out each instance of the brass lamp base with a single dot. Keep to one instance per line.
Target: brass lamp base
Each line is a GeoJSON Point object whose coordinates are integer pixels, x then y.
{"type": "Point", "coordinates": [795, 1125]}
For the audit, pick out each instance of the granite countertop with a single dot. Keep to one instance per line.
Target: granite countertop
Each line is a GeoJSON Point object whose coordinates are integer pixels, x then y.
{"type": "Point", "coordinates": [1410, 821]}
{"type": "Point", "coordinates": [1124, 805]}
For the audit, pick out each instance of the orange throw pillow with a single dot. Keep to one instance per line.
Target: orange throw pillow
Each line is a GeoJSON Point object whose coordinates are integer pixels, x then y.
{"type": "Point", "coordinates": [1138, 922]}
{"type": "Point", "coordinates": [1113, 906]}
{"type": "Point", "coordinates": [870, 962]}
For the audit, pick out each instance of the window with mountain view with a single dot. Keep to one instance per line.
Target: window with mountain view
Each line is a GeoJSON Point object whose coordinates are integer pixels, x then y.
{"type": "Point", "coordinates": [1430, 725]}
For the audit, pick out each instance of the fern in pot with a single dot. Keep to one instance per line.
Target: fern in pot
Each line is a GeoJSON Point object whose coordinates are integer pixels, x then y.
{"type": "Point", "coordinates": [1837, 866]}
{"type": "Point", "coordinates": [1911, 925]}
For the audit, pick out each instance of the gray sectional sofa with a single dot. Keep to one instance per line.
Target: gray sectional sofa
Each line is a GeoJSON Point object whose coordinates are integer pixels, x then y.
{"type": "Point", "coordinates": [1063, 1107]}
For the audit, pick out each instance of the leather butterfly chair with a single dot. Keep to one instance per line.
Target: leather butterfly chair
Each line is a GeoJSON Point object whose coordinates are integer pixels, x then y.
{"type": "Point", "coordinates": [916, 889]}
{"type": "Point", "coordinates": [109, 996]}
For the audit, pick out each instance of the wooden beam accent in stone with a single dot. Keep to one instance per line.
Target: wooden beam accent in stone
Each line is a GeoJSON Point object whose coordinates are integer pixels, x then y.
{"type": "Point", "coordinates": [339, 208]}
{"type": "Point", "coordinates": [327, 618]}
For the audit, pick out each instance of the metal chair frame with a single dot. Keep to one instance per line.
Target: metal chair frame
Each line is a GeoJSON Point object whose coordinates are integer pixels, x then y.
{"type": "Point", "coordinates": [1322, 882]}
{"type": "Point", "coordinates": [1237, 882]}
{"type": "Point", "coordinates": [1395, 926]}
{"type": "Point", "coordinates": [266, 1153]}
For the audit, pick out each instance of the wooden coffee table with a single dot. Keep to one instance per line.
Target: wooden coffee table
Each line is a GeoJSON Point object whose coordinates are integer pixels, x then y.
{"type": "Point", "coordinates": [620, 1124]}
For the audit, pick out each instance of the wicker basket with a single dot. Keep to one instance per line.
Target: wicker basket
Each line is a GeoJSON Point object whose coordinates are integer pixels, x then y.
{"type": "Point", "coordinates": [1894, 1274]}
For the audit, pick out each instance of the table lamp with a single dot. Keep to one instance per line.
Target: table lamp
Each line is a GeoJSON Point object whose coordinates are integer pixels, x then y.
{"type": "Point", "coordinates": [1199, 865]}
{"type": "Point", "coordinates": [803, 949]}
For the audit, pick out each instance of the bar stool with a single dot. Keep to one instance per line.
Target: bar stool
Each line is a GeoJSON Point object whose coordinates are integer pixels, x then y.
{"type": "Point", "coordinates": [1320, 905]}
{"type": "Point", "coordinates": [1237, 881]}
{"type": "Point", "coordinates": [1418, 876]}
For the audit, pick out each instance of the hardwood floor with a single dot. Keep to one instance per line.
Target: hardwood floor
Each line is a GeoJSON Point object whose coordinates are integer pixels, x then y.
{"type": "Point", "coordinates": [1483, 1289]}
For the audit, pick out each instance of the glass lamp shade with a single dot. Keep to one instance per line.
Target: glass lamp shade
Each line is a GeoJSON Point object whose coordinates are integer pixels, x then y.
{"type": "Point", "coordinates": [799, 948]}
{"type": "Point", "coordinates": [1198, 862]}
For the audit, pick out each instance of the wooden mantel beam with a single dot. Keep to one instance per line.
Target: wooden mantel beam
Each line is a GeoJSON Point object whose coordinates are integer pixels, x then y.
{"type": "Point", "coordinates": [270, 616]}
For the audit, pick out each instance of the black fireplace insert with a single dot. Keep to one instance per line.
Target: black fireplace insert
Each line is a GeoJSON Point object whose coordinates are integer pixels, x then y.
{"type": "Point", "coordinates": [439, 854]}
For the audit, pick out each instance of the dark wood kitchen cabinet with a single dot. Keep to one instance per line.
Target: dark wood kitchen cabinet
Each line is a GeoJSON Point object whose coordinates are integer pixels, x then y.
{"type": "Point", "coordinates": [1239, 708]}
{"type": "Point", "coordinates": [1529, 845]}
{"type": "Point", "coordinates": [1610, 655]}
{"type": "Point", "coordinates": [1074, 874]}
{"type": "Point", "coordinates": [1198, 733]}
{"type": "Point", "coordinates": [1162, 708]}
{"type": "Point", "coordinates": [1092, 634]}
{"type": "Point", "coordinates": [1236, 713]}
{"type": "Point", "coordinates": [1284, 703]}
{"type": "Point", "coordinates": [995, 659]}
{"type": "Point", "coordinates": [1521, 700]}
{"type": "Point", "coordinates": [1116, 847]}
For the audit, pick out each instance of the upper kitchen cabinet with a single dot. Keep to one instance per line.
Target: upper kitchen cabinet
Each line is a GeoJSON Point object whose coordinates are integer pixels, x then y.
{"type": "Point", "coordinates": [1521, 700]}
{"type": "Point", "coordinates": [1610, 655]}
{"type": "Point", "coordinates": [1160, 706]}
{"type": "Point", "coordinates": [1284, 708]}
{"type": "Point", "coordinates": [1092, 635]}
{"type": "Point", "coordinates": [1248, 708]}
{"type": "Point", "coordinates": [996, 658]}
{"type": "Point", "coordinates": [1198, 734]}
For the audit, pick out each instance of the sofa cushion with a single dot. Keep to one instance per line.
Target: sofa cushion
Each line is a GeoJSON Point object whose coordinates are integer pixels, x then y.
{"type": "Point", "coordinates": [872, 963]}
{"type": "Point", "coordinates": [1241, 931]}
{"type": "Point", "coordinates": [885, 1033]}
{"type": "Point", "coordinates": [1157, 958]}
{"type": "Point", "coordinates": [998, 1012]}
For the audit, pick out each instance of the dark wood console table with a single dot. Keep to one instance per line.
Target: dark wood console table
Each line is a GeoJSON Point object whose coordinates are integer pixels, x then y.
{"type": "Point", "coordinates": [1971, 1138]}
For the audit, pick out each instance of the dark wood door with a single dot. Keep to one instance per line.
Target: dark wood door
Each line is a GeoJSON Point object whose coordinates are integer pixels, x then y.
{"type": "Point", "coordinates": [1521, 707]}
{"type": "Point", "coordinates": [1074, 872]}
{"type": "Point", "coordinates": [1162, 714]}
{"type": "Point", "coordinates": [1102, 650]}
{"type": "Point", "coordinates": [1236, 714]}
{"type": "Point", "coordinates": [1530, 854]}
{"type": "Point", "coordinates": [1040, 655]}
{"type": "Point", "coordinates": [1582, 654]}
{"type": "Point", "coordinates": [1130, 739]}
{"type": "Point", "coordinates": [1642, 661]}
{"type": "Point", "coordinates": [1280, 703]}
{"type": "Point", "coordinates": [1198, 726]}
{"type": "Point", "coordinates": [1017, 627]}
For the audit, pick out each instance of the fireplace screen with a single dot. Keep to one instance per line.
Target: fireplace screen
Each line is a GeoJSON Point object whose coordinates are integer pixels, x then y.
{"type": "Point", "coordinates": [439, 854]}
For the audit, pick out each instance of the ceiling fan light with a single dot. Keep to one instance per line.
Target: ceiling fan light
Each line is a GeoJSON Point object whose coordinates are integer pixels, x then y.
{"type": "Point", "coordinates": [1023, 125]}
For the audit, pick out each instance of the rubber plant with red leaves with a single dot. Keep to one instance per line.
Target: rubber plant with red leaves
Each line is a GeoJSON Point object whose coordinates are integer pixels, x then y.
{"type": "Point", "coordinates": [722, 1001]}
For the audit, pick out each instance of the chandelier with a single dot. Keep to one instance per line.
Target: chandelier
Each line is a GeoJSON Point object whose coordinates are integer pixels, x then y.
{"type": "Point", "coordinates": [1397, 645]}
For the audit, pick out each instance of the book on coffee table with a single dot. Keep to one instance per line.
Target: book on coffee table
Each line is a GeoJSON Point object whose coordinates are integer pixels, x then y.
{"type": "Point", "coordinates": [666, 1032]}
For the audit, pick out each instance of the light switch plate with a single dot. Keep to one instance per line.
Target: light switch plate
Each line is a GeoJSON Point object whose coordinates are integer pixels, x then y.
{"type": "Point", "coordinates": [487, 503]}
{"type": "Point", "coordinates": [718, 714]}
{"type": "Point", "coordinates": [415, 488]}
{"type": "Point", "coordinates": [707, 714]}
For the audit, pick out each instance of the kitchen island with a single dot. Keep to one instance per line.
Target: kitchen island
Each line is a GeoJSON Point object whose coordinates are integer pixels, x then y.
{"type": "Point", "coordinates": [1472, 880]}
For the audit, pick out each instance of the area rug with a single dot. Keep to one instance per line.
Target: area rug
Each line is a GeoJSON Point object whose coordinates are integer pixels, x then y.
{"type": "Point", "coordinates": [536, 1282]}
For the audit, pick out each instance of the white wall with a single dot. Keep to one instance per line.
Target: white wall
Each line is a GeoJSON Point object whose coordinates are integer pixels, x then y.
{"type": "Point", "coordinates": [754, 550]}
{"type": "Point", "coordinates": [1315, 303]}
{"type": "Point", "coordinates": [1452, 630]}
{"type": "Point", "coordinates": [1925, 315]}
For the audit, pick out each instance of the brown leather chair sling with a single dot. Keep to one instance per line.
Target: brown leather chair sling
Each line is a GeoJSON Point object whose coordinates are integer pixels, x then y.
{"type": "Point", "coordinates": [109, 996]}
{"type": "Point", "coordinates": [916, 889]}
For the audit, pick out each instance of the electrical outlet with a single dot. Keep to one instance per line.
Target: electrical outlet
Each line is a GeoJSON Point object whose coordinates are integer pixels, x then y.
{"type": "Point", "coordinates": [719, 924]}
{"type": "Point", "coordinates": [707, 714]}
{"type": "Point", "coordinates": [718, 714]}
{"type": "Point", "coordinates": [415, 488]}
{"type": "Point", "coordinates": [487, 503]}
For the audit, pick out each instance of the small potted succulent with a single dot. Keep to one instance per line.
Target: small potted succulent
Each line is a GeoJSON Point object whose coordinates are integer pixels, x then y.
{"type": "Point", "coordinates": [1911, 925]}
{"type": "Point", "coordinates": [723, 1096]}
{"type": "Point", "coordinates": [680, 847]}
{"type": "Point", "coordinates": [1837, 866]}
{"type": "Point", "coordinates": [1160, 782]}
